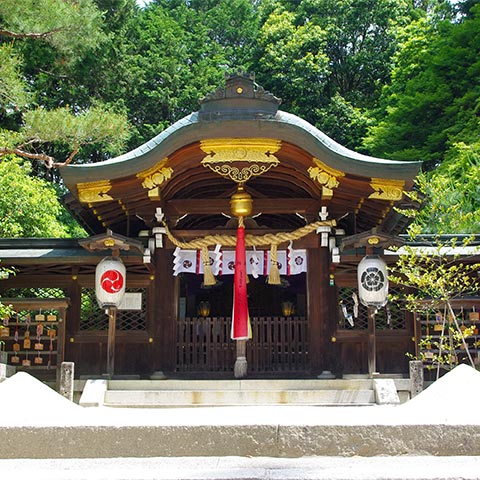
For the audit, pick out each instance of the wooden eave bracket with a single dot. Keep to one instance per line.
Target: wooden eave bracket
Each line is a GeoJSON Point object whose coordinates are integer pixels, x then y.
{"type": "Point", "coordinates": [111, 241]}
{"type": "Point", "coordinates": [373, 238]}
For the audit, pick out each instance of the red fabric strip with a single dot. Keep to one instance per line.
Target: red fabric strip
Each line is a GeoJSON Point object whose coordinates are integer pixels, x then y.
{"type": "Point", "coordinates": [240, 317]}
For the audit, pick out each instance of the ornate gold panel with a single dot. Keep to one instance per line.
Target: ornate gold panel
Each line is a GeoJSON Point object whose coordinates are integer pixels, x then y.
{"type": "Point", "coordinates": [156, 176]}
{"type": "Point", "coordinates": [94, 192]}
{"type": "Point", "coordinates": [325, 176]}
{"type": "Point", "coordinates": [327, 193]}
{"type": "Point", "coordinates": [252, 156]}
{"type": "Point", "coordinates": [387, 189]}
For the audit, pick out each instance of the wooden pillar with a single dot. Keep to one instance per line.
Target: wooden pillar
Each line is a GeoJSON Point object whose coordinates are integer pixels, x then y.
{"type": "Point", "coordinates": [372, 342]}
{"type": "Point", "coordinates": [165, 313]}
{"type": "Point", "coordinates": [320, 315]}
{"type": "Point", "coordinates": [112, 320]}
{"type": "Point", "coordinates": [72, 322]}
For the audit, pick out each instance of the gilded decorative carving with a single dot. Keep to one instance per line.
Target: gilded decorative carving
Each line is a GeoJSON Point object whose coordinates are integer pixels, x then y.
{"type": "Point", "coordinates": [327, 193]}
{"type": "Point", "coordinates": [94, 192]}
{"type": "Point", "coordinates": [156, 176]}
{"type": "Point", "coordinates": [325, 175]}
{"type": "Point", "coordinates": [240, 158]}
{"type": "Point", "coordinates": [387, 189]}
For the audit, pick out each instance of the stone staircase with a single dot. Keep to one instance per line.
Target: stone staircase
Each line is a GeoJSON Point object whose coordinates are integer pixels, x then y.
{"type": "Point", "coordinates": [198, 393]}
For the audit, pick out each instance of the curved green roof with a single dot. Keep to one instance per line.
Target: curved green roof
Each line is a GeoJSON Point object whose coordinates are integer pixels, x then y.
{"type": "Point", "coordinates": [228, 114]}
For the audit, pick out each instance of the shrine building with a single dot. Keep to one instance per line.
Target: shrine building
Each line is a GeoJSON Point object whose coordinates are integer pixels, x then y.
{"type": "Point", "coordinates": [314, 209]}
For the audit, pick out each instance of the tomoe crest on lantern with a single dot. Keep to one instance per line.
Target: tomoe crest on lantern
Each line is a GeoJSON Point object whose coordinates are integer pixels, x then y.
{"type": "Point", "coordinates": [372, 281]}
{"type": "Point", "coordinates": [110, 280]}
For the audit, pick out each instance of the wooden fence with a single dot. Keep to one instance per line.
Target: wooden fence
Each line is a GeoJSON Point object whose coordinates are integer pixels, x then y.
{"type": "Point", "coordinates": [278, 344]}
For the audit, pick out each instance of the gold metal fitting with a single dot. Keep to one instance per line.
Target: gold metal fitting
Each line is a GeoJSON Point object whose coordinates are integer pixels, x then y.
{"type": "Point", "coordinates": [241, 203]}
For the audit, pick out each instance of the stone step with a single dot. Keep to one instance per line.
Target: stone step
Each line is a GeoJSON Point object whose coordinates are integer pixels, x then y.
{"type": "Point", "coordinates": [242, 385]}
{"type": "Point", "coordinates": [184, 398]}
{"type": "Point", "coordinates": [184, 393]}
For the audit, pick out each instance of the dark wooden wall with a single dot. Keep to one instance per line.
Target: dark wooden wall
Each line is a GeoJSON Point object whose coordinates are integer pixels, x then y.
{"type": "Point", "coordinates": [320, 300]}
{"type": "Point", "coordinates": [154, 349]}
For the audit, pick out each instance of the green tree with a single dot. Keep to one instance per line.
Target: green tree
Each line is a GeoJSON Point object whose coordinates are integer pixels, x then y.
{"type": "Point", "coordinates": [450, 194]}
{"type": "Point", "coordinates": [329, 59]}
{"type": "Point", "coordinates": [178, 51]}
{"type": "Point", "coordinates": [59, 32]}
{"type": "Point", "coordinates": [292, 62]}
{"type": "Point", "coordinates": [430, 113]}
{"type": "Point", "coordinates": [434, 275]}
{"type": "Point", "coordinates": [29, 206]}
{"type": "Point", "coordinates": [433, 100]}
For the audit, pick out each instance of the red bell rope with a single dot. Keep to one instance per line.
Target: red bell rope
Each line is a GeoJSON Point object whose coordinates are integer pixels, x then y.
{"type": "Point", "coordinates": [241, 329]}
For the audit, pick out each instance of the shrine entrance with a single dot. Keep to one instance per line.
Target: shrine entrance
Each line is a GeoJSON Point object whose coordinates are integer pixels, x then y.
{"type": "Point", "coordinates": [278, 319]}
{"type": "Point", "coordinates": [238, 176]}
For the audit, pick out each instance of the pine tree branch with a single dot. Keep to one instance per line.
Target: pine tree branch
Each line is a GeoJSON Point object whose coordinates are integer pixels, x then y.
{"type": "Point", "coordinates": [8, 33]}
{"type": "Point", "coordinates": [41, 157]}
{"type": "Point", "coordinates": [68, 160]}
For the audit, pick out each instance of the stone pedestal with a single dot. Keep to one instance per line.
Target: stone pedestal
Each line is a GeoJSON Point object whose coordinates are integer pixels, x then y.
{"type": "Point", "coordinates": [6, 371]}
{"type": "Point", "coordinates": [66, 380]}
{"type": "Point", "coordinates": [416, 377]}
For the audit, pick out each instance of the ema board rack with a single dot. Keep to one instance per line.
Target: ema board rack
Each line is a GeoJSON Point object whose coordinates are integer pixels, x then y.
{"type": "Point", "coordinates": [33, 335]}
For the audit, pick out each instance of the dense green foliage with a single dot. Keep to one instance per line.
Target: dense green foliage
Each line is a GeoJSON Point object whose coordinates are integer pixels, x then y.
{"type": "Point", "coordinates": [328, 60]}
{"type": "Point", "coordinates": [29, 206]}
{"type": "Point", "coordinates": [393, 78]}
{"type": "Point", "coordinates": [41, 43]}
{"type": "Point", "coordinates": [429, 112]}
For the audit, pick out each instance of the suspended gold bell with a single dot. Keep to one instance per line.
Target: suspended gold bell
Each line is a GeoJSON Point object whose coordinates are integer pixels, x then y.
{"type": "Point", "coordinates": [241, 203]}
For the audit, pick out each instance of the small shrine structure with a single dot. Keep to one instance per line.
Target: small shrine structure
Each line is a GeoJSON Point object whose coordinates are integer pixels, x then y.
{"type": "Point", "coordinates": [314, 209]}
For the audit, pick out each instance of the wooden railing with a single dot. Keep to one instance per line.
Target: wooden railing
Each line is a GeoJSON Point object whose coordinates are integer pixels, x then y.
{"type": "Point", "coordinates": [278, 344]}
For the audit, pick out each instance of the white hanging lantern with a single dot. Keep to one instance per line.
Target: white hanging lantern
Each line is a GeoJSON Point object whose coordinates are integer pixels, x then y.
{"type": "Point", "coordinates": [372, 281]}
{"type": "Point", "coordinates": [110, 280]}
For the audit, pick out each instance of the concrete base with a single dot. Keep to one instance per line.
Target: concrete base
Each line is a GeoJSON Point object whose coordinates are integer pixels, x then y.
{"type": "Point", "coordinates": [66, 430]}
{"type": "Point", "coordinates": [242, 431]}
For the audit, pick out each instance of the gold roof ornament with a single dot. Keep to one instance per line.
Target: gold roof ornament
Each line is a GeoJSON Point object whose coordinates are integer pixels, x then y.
{"type": "Point", "coordinates": [325, 176]}
{"type": "Point", "coordinates": [240, 159]}
{"type": "Point", "coordinates": [155, 176]}
{"type": "Point", "coordinates": [387, 189]}
{"type": "Point", "coordinates": [94, 192]}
